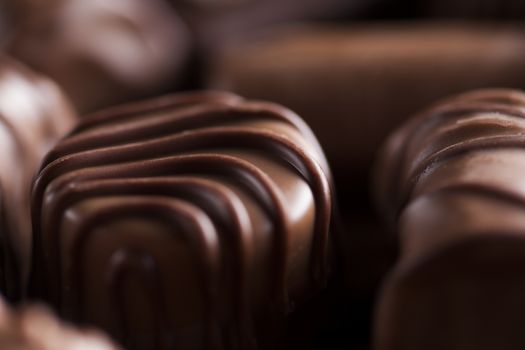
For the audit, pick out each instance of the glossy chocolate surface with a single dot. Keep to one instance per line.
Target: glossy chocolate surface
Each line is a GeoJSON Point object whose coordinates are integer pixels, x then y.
{"type": "Point", "coordinates": [103, 52]}
{"type": "Point", "coordinates": [33, 115]}
{"type": "Point", "coordinates": [195, 220]}
{"type": "Point", "coordinates": [451, 182]}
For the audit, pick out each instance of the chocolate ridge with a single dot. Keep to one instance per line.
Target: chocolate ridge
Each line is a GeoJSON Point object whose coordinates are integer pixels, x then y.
{"type": "Point", "coordinates": [191, 118]}
{"type": "Point", "coordinates": [422, 123]}
{"type": "Point", "coordinates": [257, 183]}
{"type": "Point", "coordinates": [228, 215]}
{"type": "Point", "coordinates": [174, 212]}
{"type": "Point", "coordinates": [159, 104]}
{"type": "Point", "coordinates": [194, 164]}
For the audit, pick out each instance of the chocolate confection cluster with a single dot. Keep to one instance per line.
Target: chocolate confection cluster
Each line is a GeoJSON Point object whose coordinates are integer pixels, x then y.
{"type": "Point", "coordinates": [242, 174]}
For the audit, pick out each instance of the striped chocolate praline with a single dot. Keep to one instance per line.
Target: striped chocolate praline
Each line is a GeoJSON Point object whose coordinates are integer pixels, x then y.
{"type": "Point", "coordinates": [450, 182]}
{"type": "Point", "coordinates": [196, 220]}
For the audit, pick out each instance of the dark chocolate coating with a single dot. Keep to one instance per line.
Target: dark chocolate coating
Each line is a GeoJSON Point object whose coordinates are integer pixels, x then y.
{"type": "Point", "coordinates": [196, 220]}
{"type": "Point", "coordinates": [451, 182]}
{"type": "Point", "coordinates": [354, 85]}
{"type": "Point", "coordinates": [103, 52]}
{"type": "Point", "coordinates": [33, 114]}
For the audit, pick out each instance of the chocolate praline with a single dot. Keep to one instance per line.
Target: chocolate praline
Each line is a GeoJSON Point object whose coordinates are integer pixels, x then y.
{"type": "Point", "coordinates": [104, 52]}
{"type": "Point", "coordinates": [450, 182]}
{"type": "Point", "coordinates": [196, 220]}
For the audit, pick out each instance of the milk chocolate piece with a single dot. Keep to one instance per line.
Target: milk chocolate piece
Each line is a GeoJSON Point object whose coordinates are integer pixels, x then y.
{"type": "Point", "coordinates": [192, 221]}
{"type": "Point", "coordinates": [33, 327]}
{"type": "Point", "coordinates": [104, 52]}
{"type": "Point", "coordinates": [33, 115]}
{"type": "Point", "coordinates": [451, 181]}
{"type": "Point", "coordinates": [353, 85]}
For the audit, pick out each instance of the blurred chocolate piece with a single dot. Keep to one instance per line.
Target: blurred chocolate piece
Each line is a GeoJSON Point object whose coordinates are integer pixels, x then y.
{"type": "Point", "coordinates": [188, 221]}
{"type": "Point", "coordinates": [451, 181]}
{"type": "Point", "coordinates": [218, 24]}
{"type": "Point", "coordinates": [14, 12]}
{"type": "Point", "coordinates": [17, 10]}
{"type": "Point", "coordinates": [104, 52]}
{"type": "Point", "coordinates": [33, 115]}
{"type": "Point", "coordinates": [354, 85]}
{"type": "Point", "coordinates": [35, 328]}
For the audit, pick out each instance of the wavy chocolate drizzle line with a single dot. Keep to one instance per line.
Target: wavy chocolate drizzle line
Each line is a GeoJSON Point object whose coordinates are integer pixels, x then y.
{"type": "Point", "coordinates": [225, 210]}
{"type": "Point", "coordinates": [429, 120]}
{"type": "Point", "coordinates": [175, 213]}
{"type": "Point", "coordinates": [461, 132]}
{"type": "Point", "coordinates": [452, 113]}
{"type": "Point", "coordinates": [244, 138]}
{"type": "Point", "coordinates": [160, 104]}
{"type": "Point", "coordinates": [438, 158]}
{"type": "Point", "coordinates": [183, 120]}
